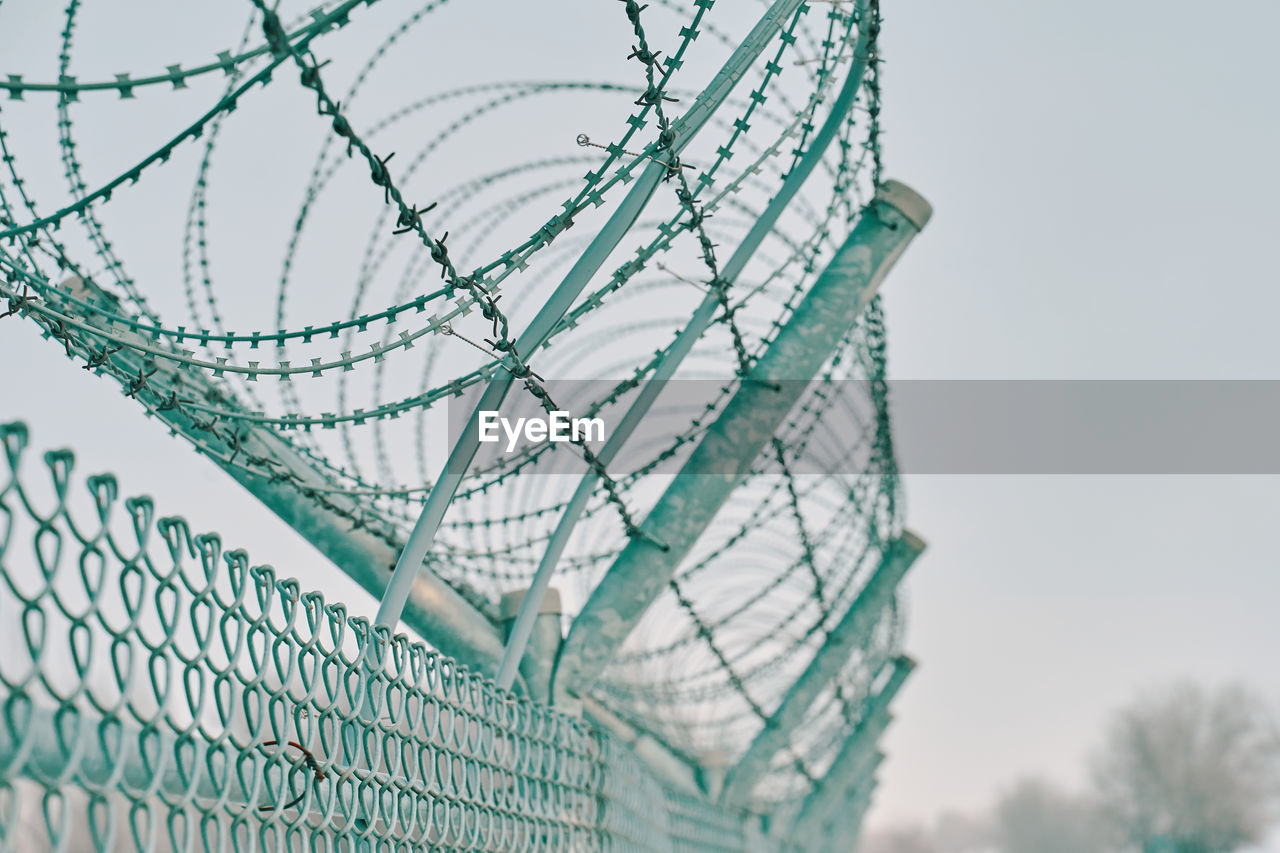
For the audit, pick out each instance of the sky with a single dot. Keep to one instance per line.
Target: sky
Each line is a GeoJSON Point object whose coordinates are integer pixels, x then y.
{"type": "Point", "coordinates": [1103, 184]}
{"type": "Point", "coordinates": [1103, 179]}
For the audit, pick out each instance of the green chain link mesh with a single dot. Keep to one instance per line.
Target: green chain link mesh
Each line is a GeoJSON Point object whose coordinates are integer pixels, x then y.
{"type": "Point", "coordinates": [178, 697]}
{"type": "Point", "coordinates": [160, 692]}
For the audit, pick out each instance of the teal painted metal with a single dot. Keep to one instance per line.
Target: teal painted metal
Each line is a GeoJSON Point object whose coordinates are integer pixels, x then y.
{"type": "Point", "coordinates": [167, 774]}
{"type": "Point", "coordinates": [543, 643]}
{"type": "Point", "coordinates": [849, 634]}
{"type": "Point", "coordinates": [856, 776]}
{"type": "Point", "coordinates": [464, 449]}
{"type": "Point", "coordinates": [67, 744]}
{"type": "Point", "coordinates": [162, 693]}
{"type": "Point", "coordinates": [359, 543]}
{"type": "Point", "coordinates": [843, 825]}
{"type": "Point", "coordinates": [676, 772]}
{"type": "Point", "coordinates": [840, 826]}
{"type": "Point", "coordinates": [826, 314]}
{"type": "Point", "coordinates": [849, 764]}
{"type": "Point", "coordinates": [682, 346]}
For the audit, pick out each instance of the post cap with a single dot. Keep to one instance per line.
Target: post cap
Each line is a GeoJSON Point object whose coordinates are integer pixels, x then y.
{"type": "Point", "coordinates": [914, 542]}
{"type": "Point", "coordinates": [509, 607]}
{"type": "Point", "coordinates": [906, 201]}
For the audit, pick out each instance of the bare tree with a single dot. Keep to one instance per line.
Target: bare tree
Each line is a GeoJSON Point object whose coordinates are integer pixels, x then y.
{"type": "Point", "coordinates": [1038, 817]}
{"type": "Point", "coordinates": [958, 833]}
{"type": "Point", "coordinates": [951, 833]}
{"type": "Point", "coordinates": [1187, 770]}
{"type": "Point", "coordinates": [902, 839]}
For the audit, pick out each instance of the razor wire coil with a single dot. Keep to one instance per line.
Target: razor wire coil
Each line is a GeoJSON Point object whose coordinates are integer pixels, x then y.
{"type": "Point", "coordinates": [813, 536]}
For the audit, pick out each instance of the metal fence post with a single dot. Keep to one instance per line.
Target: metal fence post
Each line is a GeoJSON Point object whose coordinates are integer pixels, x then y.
{"type": "Point", "coordinates": [848, 766]}
{"type": "Point", "coordinates": [851, 632]}
{"type": "Point", "coordinates": [464, 449]}
{"type": "Point", "coordinates": [821, 320]}
{"type": "Point", "coordinates": [683, 345]}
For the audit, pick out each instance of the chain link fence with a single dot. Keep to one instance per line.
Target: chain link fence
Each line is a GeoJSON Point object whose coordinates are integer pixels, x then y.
{"type": "Point", "coordinates": [159, 692]}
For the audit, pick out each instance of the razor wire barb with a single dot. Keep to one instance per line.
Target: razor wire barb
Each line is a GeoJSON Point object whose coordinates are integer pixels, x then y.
{"type": "Point", "coordinates": [409, 220]}
{"type": "Point", "coordinates": [712, 674]}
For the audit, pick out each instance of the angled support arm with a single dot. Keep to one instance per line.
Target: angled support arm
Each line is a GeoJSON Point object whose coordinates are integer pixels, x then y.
{"type": "Point", "coordinates": [850, 766]}
{"type": "Point", "coordinates": [435, 610]}
{"type": "Point", "coordinates": [681, 347]}
{"type": "Point", "coordinates": [844, 823]}
{"type": "Point", "coordinates": [759, 407]}
{"type": "Point", "coordinates": [464, 449]}
{"type": "Point", "coordinates": [851, 632]}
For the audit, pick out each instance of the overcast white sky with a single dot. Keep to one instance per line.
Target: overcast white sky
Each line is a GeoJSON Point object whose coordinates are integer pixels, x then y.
{"type": "Point", "coordinates": [1104, 180]}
